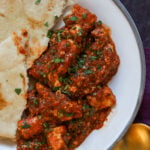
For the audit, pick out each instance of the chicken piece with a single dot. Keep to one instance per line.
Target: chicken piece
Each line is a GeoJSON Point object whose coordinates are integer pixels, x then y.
{"type": "Point", "coordinates": [81, 16]}
{"type": "Point", "coordinates": [102, 98]}
{"type": "Point", "coordinates": [32, 103]}
{"type": "Point", "coordinates": [42, 66]}
{"type": "Point", "coordinates": [67, 53]}
{"type": "Point", "coordinates": [55, 138]}
{"type": "Point", "coordinates": [96, 66]}
{"type": "Point", "coordinates": [29, 127]}
{"type": "Point", "coordinates": [58, 104]}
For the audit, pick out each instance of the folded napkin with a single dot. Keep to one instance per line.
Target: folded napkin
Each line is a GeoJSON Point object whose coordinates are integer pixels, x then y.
{"type": "Point", "coordinates": [143, 115]}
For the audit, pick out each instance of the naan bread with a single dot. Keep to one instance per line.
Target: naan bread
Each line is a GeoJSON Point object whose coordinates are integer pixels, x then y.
{"type": "Point", "coordinates": [36, 18]}
{"type": "Point", "coordinates": [13, 86]}
{"type": "Point", "coordinates": [23, 28]}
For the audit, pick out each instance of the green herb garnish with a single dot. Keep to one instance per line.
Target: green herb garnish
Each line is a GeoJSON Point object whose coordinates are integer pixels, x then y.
{"type": "Point", "coordinates": [66, 92]}
{"type": "Point", "coordinates": [46, 24]}
{"type": "Point", "coordinates": [49, 34]}
{"type": "Point", "coordinates": [67, 44]}
{"type": "Point", "coordinates": [99, 67]}
{"type": "Point", "coordinates": [25, 125]}
{"type": "Point", "coordinates": [81, 62]}
{"type": "Point", "coordinates": [99, 22]}
{"type": "Point", "coordinates": [37, 2]}
{"type": "Point", "coordinates": [85, 107]}
{"type": "Point", "coordinates": [42, 74]}
{"type": "Point", "coordinates": [40, 116]}
{"type": "Point", "coordinates": [18, 91]}
{"type": "Point", "coordinates": [87, 72]}
{"type": "Point", "coordinates": [74, 18]}
{"type": "Point", "coordinates": [84, 16]}
{"type": "Point", "coordinates": [80, 32]}
{"type": "Point", "coordinates": [38, 63]}
{"type": "Point", "coordinates": [68, 114]}
{"type": "Point", "coordinates": [58, 60]}
{"type": "Point", "coordinates": [46, 125]}
{"type": "Point", "coordinates": [21, 75]}
{"type": "Point", "coordinates": [65, 80]}
{"type": "Point", "coordinates": [59, 36]}
{"type": "Point", "coordinates": [35, 102]}
{"type": "Point", "coordinates": [60, 113]}
{"type": "Point", "coordinates": [92, 58]}
{"type": "Point", "coordinates": [72, 69]}
{"type": "Point", "coordinates": [56, 17]}
{"type": "Point", "coordinates": [54, 89]}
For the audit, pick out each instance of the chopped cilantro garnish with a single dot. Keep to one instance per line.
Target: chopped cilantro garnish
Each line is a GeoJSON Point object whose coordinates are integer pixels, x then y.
{"type": "Point", "coordinates": [98, 53]}
{"type": "Point", "coordinates": [87, 45]}
{"type": "Point", "coordinates": [25, 125]}
{"type": "Point", "coordinates": [46, 125]}
{"type": "Point", "coordinates": [100, 42]}
{"type": "Point", "coordinates": [68, 114]}
{"type": "Point", "coordinates": [58, 60]}
{"type": "Point", "coordinates": [46, 24]}
{"type": "Point", "coordinates": [92, 110]}
{"type": "Point", "coordinates": [56, 17]}
{"type": "Point", "coordinates": [40, 116]}
{"type": "Point", "coordinates": [49, 66]}
{"type": "Point", "coordinates": [67, 44]}
{"type": "Point", "coordinates": [93, 58]}
{"type": "Point", "coordinates": [37, 2]}
{"type": "Point", "coordinates": [84, 16]}
{"type": "Point", "coordinates": [67, 134]}
{"type": "Point", "coordinates": [72, 69]}
{"type": "Point", "coordinates": [54, 89]}
{"type": "Point", "coordinates": [66, 87]}
{"type": "Point", "coordinates": [35, 102]}
{"type": "Point", "coordinates": [66, 92]}
{"type": "Point", "coordinates": [99, 67]}
{"type": "Point", "coordinates": [60, 31]}
{"type": "Point", "coordinates": [81, 62]}
{"type": "Point", "coordinates": [36, 146]}
{"type": "Point", "coordinates": [80, 32]}
{"type": "Point", "coordinates": [85, 107]}
{"type": "Point", "coordinates": [87, 72]}
{"type": "Point", "coordinates": [28, 144]}
{"type": "Point", "coordinates": [65, 80]}
{"type": "Point", "coordinates": [49, 34]}
{"type": "Point", "coordinates": [52, 51]}
{"type": "Point", "coordinates": [74, 28]}
{"type": "Point", "coordinates": [38, 63]}
{"type": "Point", "coordinates": [42, 74]}
{"type": "Point", "coordinates": [84, 55]}
{"type": "Point", "coordinates": [60, 113]}
{"type": "Point", "coordinates": [99, 22]}
{"type": "Point", "coordinates": [74, 18]}
{"type": "Point", "coordinates": [18, 91]}
{"type": "Point", "coordinates": [59, 36]}
{"type": "Point", "coordinates": [21, 75]}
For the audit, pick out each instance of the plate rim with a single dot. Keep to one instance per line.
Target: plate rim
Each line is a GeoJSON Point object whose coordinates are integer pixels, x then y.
{"type": "Point", "coordinates": [139, 42]}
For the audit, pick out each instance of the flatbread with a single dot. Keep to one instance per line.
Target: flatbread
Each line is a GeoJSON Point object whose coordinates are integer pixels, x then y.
{"type": "Point", "coordinates": [13, 86]}
{"type": "Point", "coordinates": [23, 28]}
{"type": "Point", "coordinates": [36, 18]}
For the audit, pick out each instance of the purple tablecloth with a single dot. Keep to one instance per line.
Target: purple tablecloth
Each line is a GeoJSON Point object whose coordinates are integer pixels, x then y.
{"type": "Point", "coordinates": [144, 112]}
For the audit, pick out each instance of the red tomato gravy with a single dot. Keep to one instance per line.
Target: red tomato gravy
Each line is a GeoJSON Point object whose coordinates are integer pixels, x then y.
{"type": "Point", "coordinates": [70, 97]}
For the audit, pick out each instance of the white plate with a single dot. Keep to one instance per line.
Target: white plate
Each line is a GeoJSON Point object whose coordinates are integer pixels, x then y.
{"type": "Point", "coordinates": [128, 84]}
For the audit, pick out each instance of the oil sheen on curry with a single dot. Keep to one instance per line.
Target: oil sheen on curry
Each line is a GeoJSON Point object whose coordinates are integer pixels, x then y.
{"type": "Point", "coordinates": [69, 96]}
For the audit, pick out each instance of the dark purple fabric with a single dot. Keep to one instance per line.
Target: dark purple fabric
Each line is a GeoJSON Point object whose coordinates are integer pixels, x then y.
{"type": "Point", "coordinates": [144, 112]}
{"type": "Point", "coordinates": [139, 10]}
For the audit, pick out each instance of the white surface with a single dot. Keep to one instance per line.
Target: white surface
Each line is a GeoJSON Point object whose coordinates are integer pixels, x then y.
{"type": "Point", "coordinates": [126, 83]}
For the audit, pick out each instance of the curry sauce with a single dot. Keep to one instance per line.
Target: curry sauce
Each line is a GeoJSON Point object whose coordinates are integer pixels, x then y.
{"type": "Point", "coordinates": [70, 97]}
